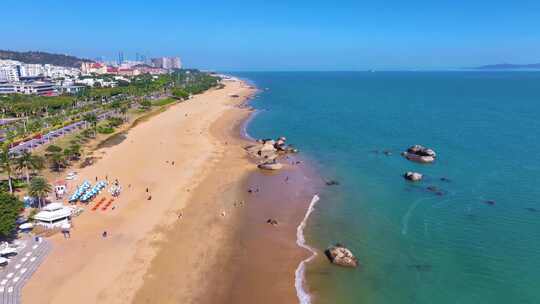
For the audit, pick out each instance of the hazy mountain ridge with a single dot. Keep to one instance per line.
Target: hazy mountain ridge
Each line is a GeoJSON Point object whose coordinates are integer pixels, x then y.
{"type": "Point", "coordinates": [509, 66]}
{"type": "Point", "coordinates": [43, 58]}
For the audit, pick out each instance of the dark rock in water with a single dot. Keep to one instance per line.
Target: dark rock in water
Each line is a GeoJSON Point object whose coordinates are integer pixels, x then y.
{"type": "Point", "coordinates": [332, 183]}
{"type": "Point", "coordinates": [489, 202]}
{"type": "Point", "coordinates": [531, 209]}
{"type": "Point", "coordinates": [432, 189]}
{"type": "Point", "coordinates": [387, 152]}
{"type": "Point", "coordinates": [435, 190]}
{"type": "Point", "coordinates": [272, 222]}
{"type": "Point", "coordinates": [341, 256]}
{"type": "Point", "coordinates": [444, 179]}
{"type": "Point", "coordinates": [421, 267]}
{"type": "Point", "coordinates": [413, 176]}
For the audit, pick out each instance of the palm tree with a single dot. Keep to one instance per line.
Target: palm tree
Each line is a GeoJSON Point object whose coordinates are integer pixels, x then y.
{"type": "Point", "coordinates": [40, 188]}
{"type": "Point", "coordinates": [6, 162]}
{"type": "Point", "coordinates": [92, 119]}
{"type": "Point", "coordinates": [124, 109]}
{"type": "Point", "coordinates": [28, 162]}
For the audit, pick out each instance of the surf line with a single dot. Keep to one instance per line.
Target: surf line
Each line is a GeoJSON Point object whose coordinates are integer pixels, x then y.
{"type": "Point", "coordinates": [299, 274]}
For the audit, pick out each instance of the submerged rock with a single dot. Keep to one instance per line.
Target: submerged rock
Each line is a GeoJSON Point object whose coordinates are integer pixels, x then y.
{"type": "Point", "coordinates": [413, 176]}
{"type": "Point", "coordinates": [332, 183]}
{"type": "Point", "coordinates": [432, 189]}
{"type": "Point", "coordinates": [421, 267]}
{"type": "Point", "coordinates": [489, 202]}
{"type": "Point", "coordinates": [530, 209]}
{"type": "Point", "coordinates": [342, 256]}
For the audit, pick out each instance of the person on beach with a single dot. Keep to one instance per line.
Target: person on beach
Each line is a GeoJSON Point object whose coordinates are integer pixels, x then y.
{"type": "Point", "coordinates": [96, 178]}
{"type": "Point", "coordinates": [146, 189]}
{"type": "Point", "coordinates": [173, 162]}
{"type": "Point", "coordinates": [104, 234]}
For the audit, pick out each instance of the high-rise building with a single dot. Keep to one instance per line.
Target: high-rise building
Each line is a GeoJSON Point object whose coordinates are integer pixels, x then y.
{"type": "Point", "coordinates": [120, 58]}
{"type": "Point", "coordinates": [167, 62]}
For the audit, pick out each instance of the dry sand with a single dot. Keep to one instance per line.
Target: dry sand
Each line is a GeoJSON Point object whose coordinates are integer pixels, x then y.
{"type": "Point", "coordinates": [90, 269]}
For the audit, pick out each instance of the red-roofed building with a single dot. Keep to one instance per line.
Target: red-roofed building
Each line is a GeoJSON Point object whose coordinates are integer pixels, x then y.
{"type": "Point", "coordinates": [93, 67]}
{"type": "Point", "coordinates": [128, 72]}
{"type": "Point", "coordinates": [112, 70]}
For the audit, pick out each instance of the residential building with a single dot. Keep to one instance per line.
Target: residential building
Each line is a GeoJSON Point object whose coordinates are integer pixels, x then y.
{"type": "Point", "coordinates": [146, 69]}
{"type": "Point", "coordinates": [29, 88]}
{"type": "Point", "coordinates": [128, 72]}
{"type": "Point", "coordinates": [69, 89]}
{"type": "Point", "coordinates": [93, 68]}
{"type": "Point", "coordinates": [167, 62]}
{"type": "Point", "coordinates": [9, 73]}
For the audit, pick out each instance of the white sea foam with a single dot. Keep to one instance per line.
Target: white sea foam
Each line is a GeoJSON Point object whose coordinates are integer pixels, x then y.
{"type": "Point", "coordinates": [299, 275]}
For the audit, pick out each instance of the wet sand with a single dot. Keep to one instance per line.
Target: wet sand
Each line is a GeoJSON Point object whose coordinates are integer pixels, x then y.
{"type": "Point", "coordinates": [254, 261]}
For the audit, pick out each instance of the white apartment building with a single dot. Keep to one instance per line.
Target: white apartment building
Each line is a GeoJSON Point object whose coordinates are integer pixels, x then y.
{"type": "Point", "coordinates": [167, 62]}
{"type": "Point", "coordinates": [29, 88]}
{"type": "Point", "coordinates": [12, 70]}
{"type": "Point", "coordinates": [9, 73]}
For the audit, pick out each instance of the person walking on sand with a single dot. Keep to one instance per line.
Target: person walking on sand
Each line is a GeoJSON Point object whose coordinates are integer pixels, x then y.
{"type": "Point", "coordinates": [146, 189]}
{"type": "Point", "coordinates": [104, 234]}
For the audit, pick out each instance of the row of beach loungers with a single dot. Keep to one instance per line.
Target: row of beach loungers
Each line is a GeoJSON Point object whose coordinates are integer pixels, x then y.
{"type": "Point", "coordinates": [101, 202]}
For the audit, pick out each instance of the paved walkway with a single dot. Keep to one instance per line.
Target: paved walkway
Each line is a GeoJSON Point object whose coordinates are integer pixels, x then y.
{"type": "Point", "coordinates": [20, 268]}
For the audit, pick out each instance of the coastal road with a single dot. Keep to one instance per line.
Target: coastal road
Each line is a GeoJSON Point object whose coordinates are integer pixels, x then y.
{"type": "Point", "coordinates": [20, 268]}
{"type": "Point", "coordinates": [34, 143]}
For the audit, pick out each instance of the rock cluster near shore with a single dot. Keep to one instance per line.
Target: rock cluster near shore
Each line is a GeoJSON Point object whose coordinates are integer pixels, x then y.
{"type": "Point", "coordinates": [267, 152]}
{"type": "Point", "coordinates": [342, 256]}
{"type": "Point", "coordinates": [420, 154]}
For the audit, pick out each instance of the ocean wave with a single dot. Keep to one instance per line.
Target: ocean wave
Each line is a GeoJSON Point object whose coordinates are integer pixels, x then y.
{"type": "Point", "coordinates": [299, 275]}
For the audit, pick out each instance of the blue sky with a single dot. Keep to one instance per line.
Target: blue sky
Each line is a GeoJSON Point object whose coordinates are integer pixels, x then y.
{"type": "Point", "coordinates": [282, 35]}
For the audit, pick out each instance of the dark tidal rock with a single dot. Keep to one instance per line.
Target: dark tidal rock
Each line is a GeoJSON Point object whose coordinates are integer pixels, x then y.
{"type": "Point", "coordinates": [342, 256]}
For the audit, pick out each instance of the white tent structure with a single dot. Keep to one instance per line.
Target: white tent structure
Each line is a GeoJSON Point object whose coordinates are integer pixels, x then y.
{"type": "Point", "coordinates": [8, 251]}
{"type": "Point", "coordinates": [26, 226]}
{"type": "Point", "coordinates": [3, 261]}
{"type": "Point", "coordinates": [53, 215]}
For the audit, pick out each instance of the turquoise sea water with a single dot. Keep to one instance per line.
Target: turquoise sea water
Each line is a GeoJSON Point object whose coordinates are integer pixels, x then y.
{"type": "Point", "coordinates": [416, 246]}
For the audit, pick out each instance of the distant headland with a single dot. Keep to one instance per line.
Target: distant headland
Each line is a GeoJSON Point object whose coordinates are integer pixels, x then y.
{"type": "Point", "coordinates": [509, 66]}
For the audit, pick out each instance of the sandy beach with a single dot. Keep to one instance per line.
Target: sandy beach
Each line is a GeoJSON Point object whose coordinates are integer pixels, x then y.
{"type": "Point", "coordinates": [202, 238]}
{"type": "Point", "coordinates": [90, 269]}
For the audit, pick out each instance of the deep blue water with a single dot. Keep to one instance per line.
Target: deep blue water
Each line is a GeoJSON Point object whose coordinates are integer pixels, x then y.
{"type": "Point", "coordinates": [416, 246]}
